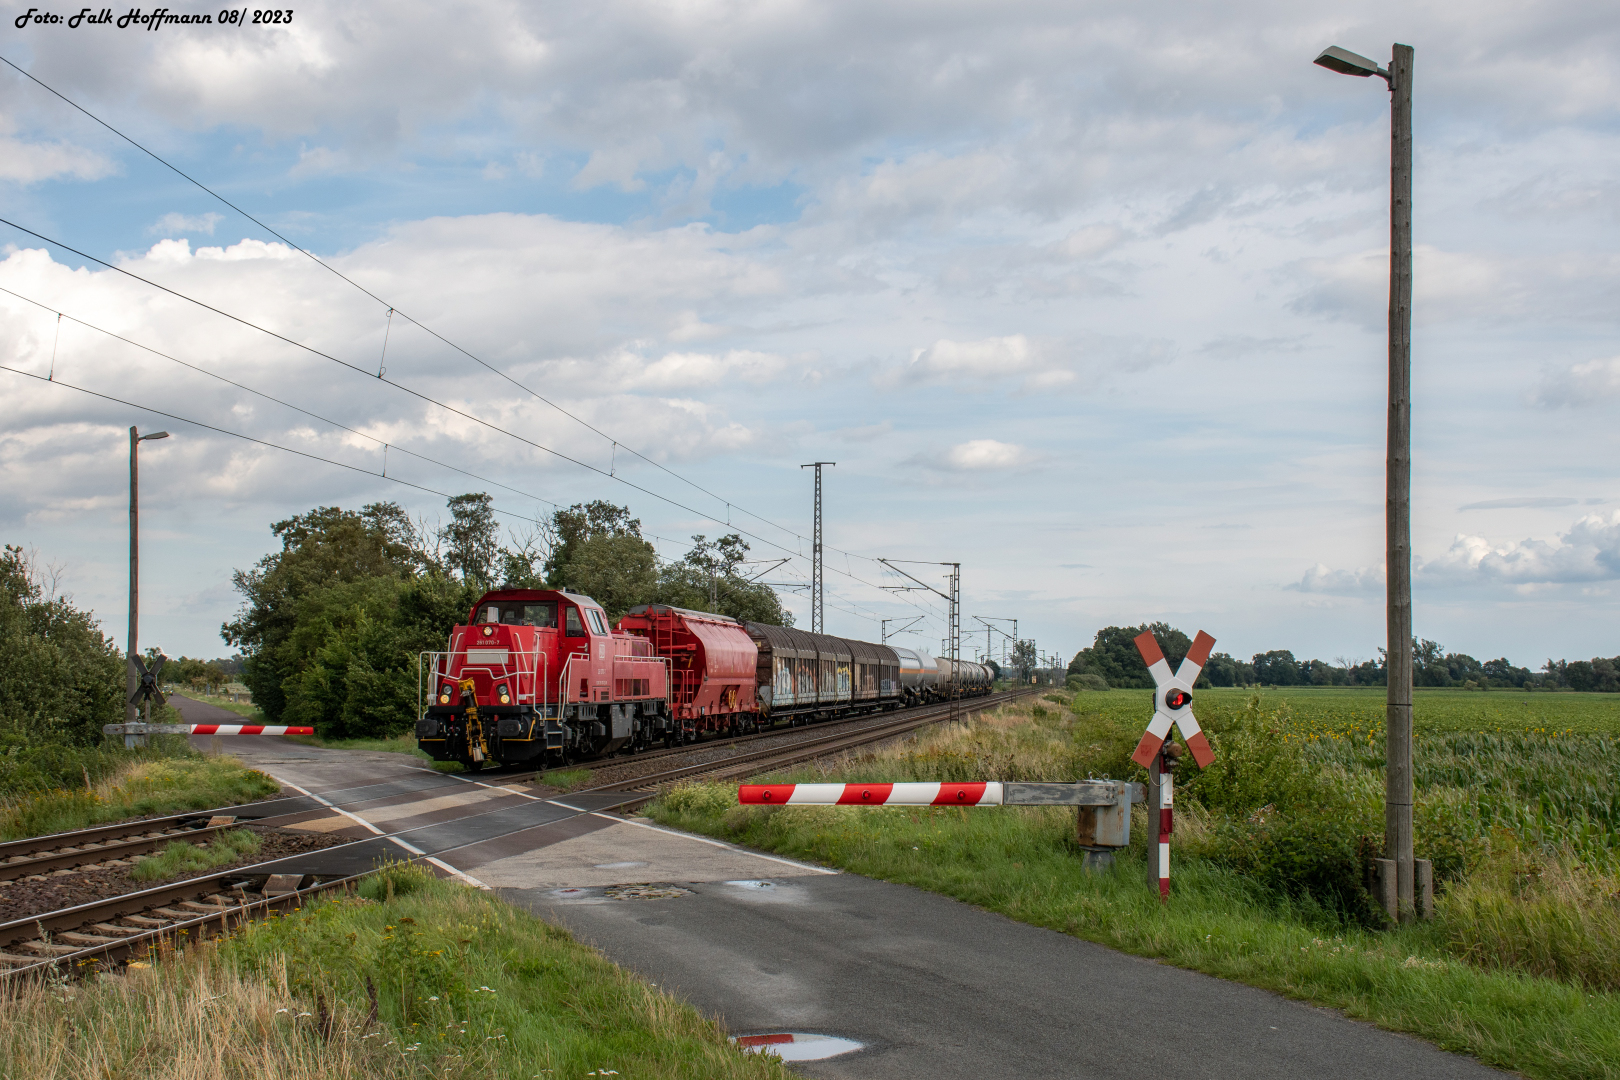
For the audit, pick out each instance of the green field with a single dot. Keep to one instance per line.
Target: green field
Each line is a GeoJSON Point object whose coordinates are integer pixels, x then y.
{"type": "Point", "coordinates": [1350, 711]}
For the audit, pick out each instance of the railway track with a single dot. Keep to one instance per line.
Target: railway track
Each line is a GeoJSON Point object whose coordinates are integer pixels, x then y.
{"type": "Point", "coordinates": [106, 932]}
{"type": "Point", "coordinates": [108, 845]}
{"type": "Point", "coordinates": [750, 763]}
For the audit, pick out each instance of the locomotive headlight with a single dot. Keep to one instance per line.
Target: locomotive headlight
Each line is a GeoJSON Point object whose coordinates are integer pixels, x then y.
{"type": "Point", "coordinates": [501, 692]}
{"type": "Point", "coordinates": [444, 694]}
{"type": "Point", "coordinates": [489, 631]}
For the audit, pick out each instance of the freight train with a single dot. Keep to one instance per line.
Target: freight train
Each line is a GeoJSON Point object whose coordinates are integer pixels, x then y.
{"type": "Point", "coordinates": [539, 677]}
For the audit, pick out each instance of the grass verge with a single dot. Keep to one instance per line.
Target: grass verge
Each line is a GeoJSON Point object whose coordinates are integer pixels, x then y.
{"type": "Point", "coordinates": [247, 710]}
{"type": "Point", "coordinates": [412, 978]}
{"type": "Point", "coordinates": [167, 786]}
{"type": "Point", "coordinates": [398, 744]}
{"type": "Point", "coordinates": [179, 857]}
{"type": "Point", "coordinates": [1521, 968]}
{"type": "Point", "coordinates": [567, 779]}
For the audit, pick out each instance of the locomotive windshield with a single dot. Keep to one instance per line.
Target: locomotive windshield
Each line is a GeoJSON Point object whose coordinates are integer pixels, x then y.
{"type": "Point", "coordinates": [520, 614]}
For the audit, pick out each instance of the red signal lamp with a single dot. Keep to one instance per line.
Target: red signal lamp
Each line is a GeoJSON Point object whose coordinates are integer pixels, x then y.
{"type": "Point", "coordinates": [1177, 698]}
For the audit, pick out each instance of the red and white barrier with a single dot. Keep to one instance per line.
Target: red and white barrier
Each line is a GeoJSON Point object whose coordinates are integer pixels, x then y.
{"type": "Point", "coordinates": [204, 729]}
{"type": "Point", "coordinates": [248, 729]}
{"type": "Point", "coordinates": [977, 794]}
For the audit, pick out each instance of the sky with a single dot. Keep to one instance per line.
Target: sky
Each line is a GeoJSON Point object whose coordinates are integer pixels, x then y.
{"type": "Point", "coordinates": [1088, 298]}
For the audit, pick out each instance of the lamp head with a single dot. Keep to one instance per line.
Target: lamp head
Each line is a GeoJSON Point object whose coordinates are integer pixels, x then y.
{"type": "Point", "coordinates": [155, 435]}
{"type": "Point", "coordinates": [1346, 62]}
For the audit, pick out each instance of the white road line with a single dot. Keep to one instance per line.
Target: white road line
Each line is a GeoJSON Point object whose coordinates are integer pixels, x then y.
{"type": "Point", "coordinates": [412, 848]}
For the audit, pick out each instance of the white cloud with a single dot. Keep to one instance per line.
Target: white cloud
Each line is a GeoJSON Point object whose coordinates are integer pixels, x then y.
{"type": "Point", "coordinates": [25, 162]}
{"type": "Point", "coordinates": [979, 455]}
{"type": "Point", "coordinates": [1580, 384]}
{"type": "Point", "coordinates": [1588, 551]}
{"type": "Point", "coordinates": [1361, 581]}
{"type": "Point", "coordinates": [174, 222]}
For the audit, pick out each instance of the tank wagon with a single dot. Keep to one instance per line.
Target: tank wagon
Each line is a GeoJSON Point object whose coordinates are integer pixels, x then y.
{"type": "Point", "coordinates": [537, 676]}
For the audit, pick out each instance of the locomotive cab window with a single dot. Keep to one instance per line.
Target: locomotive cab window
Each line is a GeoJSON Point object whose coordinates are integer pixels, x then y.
{"type": "Point", "coordinates": [518, 614]}
{"type": "Point", "coordinates": [575, 627]}
{"type": "Point", "coordinates": [597, 622]}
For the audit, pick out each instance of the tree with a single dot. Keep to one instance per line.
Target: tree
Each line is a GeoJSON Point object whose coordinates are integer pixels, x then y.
{"type": "Point", "coordinates": [1276, 668]}
{"type": "Point", "coordinates": [473, 538]}
{"type": "Point", "coordinates": [618, 572]}
{"type": "Point", "coordinates": [61, 679]}
{"type": "Point", "coordinates": [1225, 670]}
{"type": "Point", "coordinates": [708, 578]}
{"type": "Point", "coordinates": [1024, 659]}
{"type": "Point", "coordinates": [1113, 654]}
{"type": "Point", "coordinates": [326, 547]}
{"type": "Point", "coordinates": [579, 523]}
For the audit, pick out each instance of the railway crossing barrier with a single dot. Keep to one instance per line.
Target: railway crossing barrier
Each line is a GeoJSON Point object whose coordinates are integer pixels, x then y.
{"type": "Point", "coordinates": [1172, 706]}
{"type": "Point", "coordinates": [205, 729]}
{"type": "Point", "coordinates": [1103, 807]}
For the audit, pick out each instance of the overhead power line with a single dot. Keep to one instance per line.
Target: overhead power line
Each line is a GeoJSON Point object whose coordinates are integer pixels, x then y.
{"type": "Point", "coordinates": [394, 310]}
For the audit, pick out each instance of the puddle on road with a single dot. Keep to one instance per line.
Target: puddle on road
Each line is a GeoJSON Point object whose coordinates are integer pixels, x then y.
{"type": "Point", "coordinates": [773, 892]}
{"type": "Point", "coordinates": [796, 1046]}
{"type": "Point", "coordinates": [617, 865]}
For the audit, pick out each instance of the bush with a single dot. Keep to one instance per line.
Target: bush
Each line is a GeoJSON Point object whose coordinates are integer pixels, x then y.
{"type": "Point", "coordinates": [1089, 681]}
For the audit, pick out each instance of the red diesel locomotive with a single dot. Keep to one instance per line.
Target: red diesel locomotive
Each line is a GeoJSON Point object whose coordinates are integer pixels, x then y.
{"type": "Point", "coordinates": [538, 674]}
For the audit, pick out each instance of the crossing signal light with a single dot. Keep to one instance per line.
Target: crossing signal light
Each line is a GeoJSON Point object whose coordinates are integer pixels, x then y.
{"type": "Point", "coordinates": [1176, 698]}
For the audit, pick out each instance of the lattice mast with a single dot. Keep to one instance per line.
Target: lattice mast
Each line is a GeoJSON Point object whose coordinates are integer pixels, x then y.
{"type": "Point", "coordinates": [816, 578]}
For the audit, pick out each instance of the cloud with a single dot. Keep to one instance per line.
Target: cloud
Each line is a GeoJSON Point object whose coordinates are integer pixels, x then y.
{"type": "Point", "coordinates": [1588, 551]}
{"type": "Point", "coordinates": [690, 369]}
{"type": "Point", "coordinates": [978, 455]}
{"type": "Point", "coordinates": [182, 223]}
{"type": "Point", "coordinates": [1579, 384]}
{"type": "Point", "coordinates": [1533, 502]}
{"type": "Point", "coordinates": [32, 162]}
{"type": "Point", "coordinates": [1362, 581]}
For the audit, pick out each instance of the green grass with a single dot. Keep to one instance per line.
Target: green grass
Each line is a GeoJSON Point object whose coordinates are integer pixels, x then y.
{"type": "Point", "coordinates": [178, 857]}
{"type": "Point", "coordinates": [165, 786]}
{"type": "Point", "coordinates": [467, 983]}
{"type": "Point", "coordinates": [412, 978]}
{"type": "Point", "coordinates": [1521, 968]}
{"type": "Point", "coordinates": [567, 779]}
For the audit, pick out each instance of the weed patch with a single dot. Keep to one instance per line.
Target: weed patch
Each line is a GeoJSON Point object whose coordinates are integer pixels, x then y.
{"type": "Point", "coordinates": [178, 857]}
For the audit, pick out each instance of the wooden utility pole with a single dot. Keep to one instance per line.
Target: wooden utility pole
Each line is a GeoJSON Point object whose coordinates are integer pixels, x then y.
{"type": "Point", "coordinates": [132, 672]}
{"type": "Point", "coordinates": [1398, 490]}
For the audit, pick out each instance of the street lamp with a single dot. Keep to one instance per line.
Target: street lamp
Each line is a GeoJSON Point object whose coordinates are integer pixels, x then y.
{"type": "Point", "coordinates": [1398, 466]}
{"type": "Point", "coordinates": [133, 667]}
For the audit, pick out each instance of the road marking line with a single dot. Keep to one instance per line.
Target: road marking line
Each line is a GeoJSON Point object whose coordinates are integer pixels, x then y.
{"type": "Point", "coordinates": [412, 848]}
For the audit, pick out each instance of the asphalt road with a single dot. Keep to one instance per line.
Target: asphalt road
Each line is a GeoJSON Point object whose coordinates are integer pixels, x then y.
{"type": "Point", "coordinates": [936, 989]}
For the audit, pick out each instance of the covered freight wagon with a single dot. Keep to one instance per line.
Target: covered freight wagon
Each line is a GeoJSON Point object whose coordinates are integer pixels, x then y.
{"type": "Point", "coordinates": [801, 675]}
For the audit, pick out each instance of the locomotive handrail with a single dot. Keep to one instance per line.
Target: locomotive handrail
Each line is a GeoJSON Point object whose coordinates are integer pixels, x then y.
{"type": "Point", "coordinates": [540, 669]}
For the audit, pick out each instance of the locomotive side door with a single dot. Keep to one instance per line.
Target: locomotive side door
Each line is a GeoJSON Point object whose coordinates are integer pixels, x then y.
{"type": "Point", "coordinates": [601, 643]}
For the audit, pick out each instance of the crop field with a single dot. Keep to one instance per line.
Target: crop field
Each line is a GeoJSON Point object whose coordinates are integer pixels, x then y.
{"type": "Point", "coordinates": [1517, 806]}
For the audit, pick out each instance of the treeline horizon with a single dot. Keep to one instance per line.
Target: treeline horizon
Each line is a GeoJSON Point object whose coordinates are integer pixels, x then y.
{"type": "Point", "coordinates": [1112, 662]}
